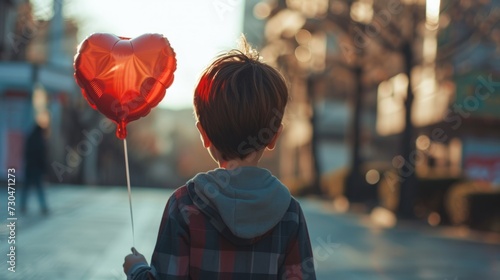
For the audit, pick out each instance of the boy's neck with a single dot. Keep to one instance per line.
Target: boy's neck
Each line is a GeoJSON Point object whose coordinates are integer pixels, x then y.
{"type": "Point", "coordinates": [251, 160]}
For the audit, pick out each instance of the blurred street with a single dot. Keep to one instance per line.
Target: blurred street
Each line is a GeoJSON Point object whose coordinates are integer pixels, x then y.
{"type": "Point", "coordinates": [393, 110]}
{"type": "Point", "coordinates": [87, 234]}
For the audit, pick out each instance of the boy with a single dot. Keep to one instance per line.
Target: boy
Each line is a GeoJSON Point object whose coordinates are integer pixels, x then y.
{"type": "Point", "coordinates": [237, 221]}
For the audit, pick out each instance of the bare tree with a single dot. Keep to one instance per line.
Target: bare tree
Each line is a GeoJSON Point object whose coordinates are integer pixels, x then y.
{"type": "Point", "coordinates": [377, 40]}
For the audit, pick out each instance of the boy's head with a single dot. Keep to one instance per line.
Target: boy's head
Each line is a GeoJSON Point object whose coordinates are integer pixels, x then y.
{"type": "Point", "coordinates": [239, 103]}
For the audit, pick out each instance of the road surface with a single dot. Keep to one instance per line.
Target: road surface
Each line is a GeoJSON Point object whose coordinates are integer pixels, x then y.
{"type": "Point", "coordinates": [88, 233]}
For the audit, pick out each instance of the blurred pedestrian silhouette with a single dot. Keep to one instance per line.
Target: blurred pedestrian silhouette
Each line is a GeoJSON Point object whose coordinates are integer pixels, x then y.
{"type": "Point", "coordinates": [35, 159]}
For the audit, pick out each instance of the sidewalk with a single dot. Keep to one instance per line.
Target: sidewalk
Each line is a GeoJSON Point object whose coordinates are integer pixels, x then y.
{"type": "Point", "coordinates": [88, 233]}
{"type": "Point", "coordinates": [360, 250]}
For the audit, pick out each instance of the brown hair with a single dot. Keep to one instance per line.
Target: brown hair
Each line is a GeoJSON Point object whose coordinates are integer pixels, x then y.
{"type": "Point", "coordinates": [239, 102]}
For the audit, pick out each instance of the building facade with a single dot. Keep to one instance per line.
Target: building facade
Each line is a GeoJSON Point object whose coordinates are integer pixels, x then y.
{"type": "Point", "coordinates": [36, 77]}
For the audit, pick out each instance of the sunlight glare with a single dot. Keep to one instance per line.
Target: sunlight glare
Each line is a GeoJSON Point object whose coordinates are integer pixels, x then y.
{"type": "Point", "coordinates": [432, 14]}
{"type": "Point", "coordinates": [198, 30]}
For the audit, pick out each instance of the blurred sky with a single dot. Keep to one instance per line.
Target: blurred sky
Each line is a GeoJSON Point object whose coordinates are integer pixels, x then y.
{"type": "Point", "coordinates": [197, 30]}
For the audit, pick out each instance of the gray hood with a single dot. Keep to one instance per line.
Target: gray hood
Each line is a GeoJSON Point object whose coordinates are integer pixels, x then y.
{"type": "Point", "coordinates": [249, 201]}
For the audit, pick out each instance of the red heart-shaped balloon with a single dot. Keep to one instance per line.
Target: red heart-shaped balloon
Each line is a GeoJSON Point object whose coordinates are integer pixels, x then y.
{"type": "Point", "coordinates": [124, 78]}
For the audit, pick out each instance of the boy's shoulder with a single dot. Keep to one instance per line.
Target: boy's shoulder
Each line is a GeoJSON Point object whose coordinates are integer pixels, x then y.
{"type": "Point", "coordinates": [179, 200]}
{"type": "Point", "coordinates": [294, 213]}
{"type": "Point", "coordinates": [180, 192]}
{"type": "Point", "coordinates": [182, 199]}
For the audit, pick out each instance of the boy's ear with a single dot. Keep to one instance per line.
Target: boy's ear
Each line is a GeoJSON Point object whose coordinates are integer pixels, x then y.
{"type": "Point", "coordinates": [203, 135]}
{"type": "Point", "coordinates": [272, 144]}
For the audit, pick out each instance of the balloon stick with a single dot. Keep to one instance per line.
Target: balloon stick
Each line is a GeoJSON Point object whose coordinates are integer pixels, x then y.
{"type": "Point", "coordinates": [129, 191]}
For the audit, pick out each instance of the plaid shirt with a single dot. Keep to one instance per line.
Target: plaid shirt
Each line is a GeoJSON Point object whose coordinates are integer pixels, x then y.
{"type": "Point", "coordinates": [194, 245]}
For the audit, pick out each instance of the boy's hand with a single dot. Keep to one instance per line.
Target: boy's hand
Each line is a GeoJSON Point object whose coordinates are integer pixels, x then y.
{"type": "Point", "coordinates": [132, 259]}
